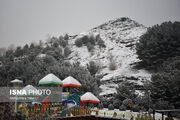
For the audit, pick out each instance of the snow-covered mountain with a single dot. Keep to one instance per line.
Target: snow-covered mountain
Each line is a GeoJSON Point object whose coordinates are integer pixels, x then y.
{"type": "Point", "coordinates": [120, 36]}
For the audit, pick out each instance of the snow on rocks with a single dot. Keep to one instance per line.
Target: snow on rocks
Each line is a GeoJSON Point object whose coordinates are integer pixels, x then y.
{"type": "Point", "coordinates": [120, 36]}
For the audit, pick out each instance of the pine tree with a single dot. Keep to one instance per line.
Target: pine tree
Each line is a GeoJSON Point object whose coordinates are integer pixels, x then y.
{"type": "Point", "coordinates": [159, 43]}
{"type": "Point", "coordinates": [67, 51]}
{"type": "Point", "coordinates": [92, 67]}
{"type": "Point", "coordinates": [165, 85]}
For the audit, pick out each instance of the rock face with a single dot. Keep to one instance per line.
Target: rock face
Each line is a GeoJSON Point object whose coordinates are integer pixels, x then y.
{"type": "Point", "coordinates": [120, 36]}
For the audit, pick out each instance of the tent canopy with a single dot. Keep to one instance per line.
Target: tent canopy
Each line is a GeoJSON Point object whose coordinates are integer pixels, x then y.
{"type": "Point", "coordinates": [71, 82]}
{"type": "Point", "coordinates": [29, 87]}
{"type": "Point", "coordinates": [50, 79]}
{"type": "Point", "coordinates": [16, 81]}
{"type": "Point", "coordinates": [88, 97]}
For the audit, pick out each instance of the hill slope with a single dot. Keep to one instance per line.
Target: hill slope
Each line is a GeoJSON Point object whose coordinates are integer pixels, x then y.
{"type": "Point", "coordinates": [120, 36]}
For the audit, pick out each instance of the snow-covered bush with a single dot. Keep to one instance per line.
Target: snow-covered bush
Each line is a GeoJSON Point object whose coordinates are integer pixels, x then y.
{"type": "Point", "coordinates": [136, 108]}
{"type": "Point", "coordinates": [110, 107]}
{"type": "Point", "coordinates": [63, 43]}
{"type": "Point", "coordinates": [66, 37]}
{"type": "Point", "coordinates": [92, 67]}
{"type": "Point", "coordinates": [127, 102]}
{"type": "Point", "coordinates": [117, 103]}
{"type": "Point", "coordinates": [122, 108]}
{"type": "Point", "coordinates": [90, 46]}
{"type": "Point", "coordinates": [100, 42]}
{"type": "Point", "coordinates": [112, 62]}
{"type": "Point", "coordinates": [79, 42]}
{"type": "Point", "coordinates": [112, 65]}
{"type": "Point", "coordinates": [150, 111]}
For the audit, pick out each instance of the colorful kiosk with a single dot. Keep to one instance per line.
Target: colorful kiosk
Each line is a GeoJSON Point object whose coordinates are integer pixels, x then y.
{"type": "Point", "coordinates": [49, 80]}
{"type": "Point", "coordinates": [69, 104]}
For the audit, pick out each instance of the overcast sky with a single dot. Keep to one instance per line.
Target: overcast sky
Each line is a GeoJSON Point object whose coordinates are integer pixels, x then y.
{"type": "Point", "coordinates": [25, 21]}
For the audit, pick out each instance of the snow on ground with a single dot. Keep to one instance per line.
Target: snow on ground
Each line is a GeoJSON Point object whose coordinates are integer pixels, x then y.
{"type": "Point", "coordinates": [120, 36]}
{"type": "Point", "coordinates": [125, 114]}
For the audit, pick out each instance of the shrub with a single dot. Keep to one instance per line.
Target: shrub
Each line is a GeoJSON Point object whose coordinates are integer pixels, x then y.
{"type": "Point", "coordinates": [100, 42]}
{"type": "Point", "coordinates": [92, 40]}
{"type": "Point", "coordinates": [90, 47]}
{"type": "Point", "coordinates": [127, 102]}
{"type": "Point", "coordinates": [110, 107]}
{"type": "Point", "coordinates": [92, 67]}
{"type": "Point", "coordinates": [100, 106]}
{"type": "Point", "coordinates": [136, 108]}
{"type": "Point", "coordinates": [161, 105]}
{"type": "Point", "coordinates": [112, 63]}
{"type": "Point", "coordinates": [116, 103]}
{"type": "Point", "coordinates": [125, 90]}
{"type": "Point", "coordinates": [66, 37]}
{"type": "Point", "coordinates": [79, 42]}
{"type": "Point", "coordinates": [122, 108]}
{"type": "Point", "coordinates": [53, 40]}
{"type": "Point", "coordinates": [55, 44]}
{"type": "Point", "coordinates": [18, 52]}
{"type": "Point", "coordinates": [67, 51]}
{"type": "Point", "coordinates": [63, 43]}
{"type": "Point", "coordinates": [150, 111]}
{"type": "Point", "coordinates": [61, 38]}
{"type": "Point", "coordinates": [85, 39]}
{"type": "Point", "coordinates": [105, 104]}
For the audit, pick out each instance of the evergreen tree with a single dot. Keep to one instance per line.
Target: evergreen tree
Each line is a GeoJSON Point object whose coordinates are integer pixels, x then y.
{"type": "Point", "coordinates": [63, 43]}
{"type": "Point", "coordinates": [18, 52]}
{"type": "Point", "coordinates": [159, 43]}
{"type": "Point", "coordinates": [32, 46]}
{"type": "Point", "coordinates": [85, 39]}
{"type": "Point", "coordinates": [125, 90]}
{"type": "Point", "coordinates": [90, 47]}
{"type": "Point", "coordinates": [26, 48]}
{"type": "Point", "coordinates": [92, 67]}
{"type": "Point", "coordinates": [166, 84]}
{"type": "Point", "coordinates": [66, 37]}
{"type": "Point", "coordinates": [101, 43]}
{"type": "Point", "coordinates": [92, 39]}
{"type": "Point", "coordinates": [67, 51]}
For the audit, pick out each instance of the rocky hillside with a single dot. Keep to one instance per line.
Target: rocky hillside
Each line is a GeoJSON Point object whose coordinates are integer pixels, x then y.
{"type": "Point", "coordinates": [120, 36]}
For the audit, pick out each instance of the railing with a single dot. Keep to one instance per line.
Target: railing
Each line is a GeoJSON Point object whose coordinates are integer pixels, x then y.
{"type": "Point", "coordinates": [89, 117]}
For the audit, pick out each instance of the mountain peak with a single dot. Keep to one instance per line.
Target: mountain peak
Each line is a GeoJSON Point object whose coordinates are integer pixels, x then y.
{"type": "Point", "coordinates": [120, 22]}
{"type": "Point", "coordinates": [120, 36]}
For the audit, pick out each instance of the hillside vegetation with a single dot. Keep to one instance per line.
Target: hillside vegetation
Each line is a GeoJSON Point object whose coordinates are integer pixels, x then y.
{"type": "Point", "coordinates": [121, 60]}
{"type": "Point", "coordinates": [32, 62]}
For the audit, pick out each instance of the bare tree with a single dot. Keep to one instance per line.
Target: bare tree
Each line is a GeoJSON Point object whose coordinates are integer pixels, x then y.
{"type": "Point", "coordinates": [48, 39]}
{"type": "Point", "coordinates": [2, 51]}
{"type": "Point", "coordinates": [11, 47]}
{"type": "Point", "coordinates": [112, 62]}
{"type": "Point", "coordinates": [41, 43]}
